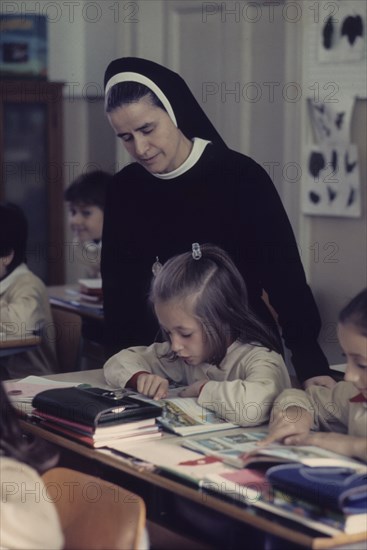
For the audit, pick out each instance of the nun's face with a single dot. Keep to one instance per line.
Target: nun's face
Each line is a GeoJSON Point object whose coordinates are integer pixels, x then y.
{"type": "Point", "coordinates": [149, 136]}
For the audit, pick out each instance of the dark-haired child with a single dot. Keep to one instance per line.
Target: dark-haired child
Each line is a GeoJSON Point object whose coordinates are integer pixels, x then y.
{"type": "Point", "coordinates": [86, 198]}
{"type": "Point", "coordinates": [24, 304]}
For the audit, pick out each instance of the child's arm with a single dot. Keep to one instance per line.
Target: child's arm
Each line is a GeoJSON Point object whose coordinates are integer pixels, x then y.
{"type": "Point", "coordinates": [296, 412]}
{"type": "Point", "coordinates": [143, 368]}
{"type": "Point", "coordinates": [343, 444]}
{"type": "Point", "coordinates": [21, 310]}
{"type": "Point", "coordinates": [252, 378]}
{"type": "Point", "coordinates": [319, 381]}
{"type": "Point", "coordinates": [291, 426]}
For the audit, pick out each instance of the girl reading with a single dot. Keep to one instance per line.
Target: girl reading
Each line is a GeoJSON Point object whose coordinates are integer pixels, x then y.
{"type": "Point", "coordinates": [214, 344]}
{"type": "Point", "coordinates": [342, 411]}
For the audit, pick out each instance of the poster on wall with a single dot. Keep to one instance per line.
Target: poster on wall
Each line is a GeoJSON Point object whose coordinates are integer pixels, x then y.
{"type": "Point", "coordinates": [342, 33]}
{"type": "Point", "coordinates": [331, 122]}
{"type": "Point", "coordinates": [331, 183]}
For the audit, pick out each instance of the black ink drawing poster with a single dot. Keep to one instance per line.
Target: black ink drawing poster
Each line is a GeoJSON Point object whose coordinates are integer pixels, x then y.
{"type": "Point", "coordinates": [331, 121]}
{"type": "Point", "coordinates": [330, 182]}
{"type": "Point", "coordinates": [342, 31]}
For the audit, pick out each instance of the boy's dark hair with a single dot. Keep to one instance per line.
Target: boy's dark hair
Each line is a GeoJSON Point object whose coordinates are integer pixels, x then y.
{"type": "Point", "coordinates": [219, 299]}
{"type": "Point", "coordinates": [13, 234]}
{"type": "Point", "coordinates": [89, 189]}
{"type": "Point", "coordinates": [34, 452]}
{"type": "Point", "coordinates": [355, 312]}
{"type": "Point", "coordinates": [127, 92]}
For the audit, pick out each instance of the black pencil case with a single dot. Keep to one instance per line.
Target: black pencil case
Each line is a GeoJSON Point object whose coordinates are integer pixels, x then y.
{"type": "Point", "coordinates": [94, 406]}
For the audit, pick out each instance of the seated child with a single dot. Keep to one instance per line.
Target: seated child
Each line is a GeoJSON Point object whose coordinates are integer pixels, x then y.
{"type": "Point", "coordinates": [24, 304]}
{"type": "Point", "coordinates": [214, 344]}
{"type": "Point", "coordinates": [86, 199]}
{"type": "Point", "coordinates": [29, 519]}
{"type": "Point", "coordinates": [342, 410]}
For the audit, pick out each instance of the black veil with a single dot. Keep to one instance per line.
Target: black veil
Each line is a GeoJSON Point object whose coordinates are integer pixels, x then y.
{"type": "Point", "coordinates": [190, 117]}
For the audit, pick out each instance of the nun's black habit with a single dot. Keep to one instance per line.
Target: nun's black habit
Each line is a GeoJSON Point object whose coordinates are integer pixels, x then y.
{"type": "Point", "coordinates": [226, 199]}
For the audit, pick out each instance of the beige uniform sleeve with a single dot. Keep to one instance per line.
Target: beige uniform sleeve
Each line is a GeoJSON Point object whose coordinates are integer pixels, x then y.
{"type": "Point", "coordinates": [121, 367]}
{"type": "Point", "coordinates": [28, 518]}
{"type": "Point", "coordinates": [329, 407]}
{"type": "Point", "coordinates": [246, 398]}
{"type": "Point", "coordinates": [21, 308]}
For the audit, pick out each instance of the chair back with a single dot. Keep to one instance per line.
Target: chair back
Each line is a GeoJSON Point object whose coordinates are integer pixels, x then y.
{"type": "Point", "coordinates": [68, 334]}
{"type": "Point", "coordinates": [95, 514]}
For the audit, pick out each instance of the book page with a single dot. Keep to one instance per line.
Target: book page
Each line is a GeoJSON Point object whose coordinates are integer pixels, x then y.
{"type": "Point", "coordinates": [242, 449]}
{"type": "Point", "coordinates": [21, 392]}
{"type": "Point", "coordinates": [183, 415]}
{"type": "Point", "coordinates": [169, 455]}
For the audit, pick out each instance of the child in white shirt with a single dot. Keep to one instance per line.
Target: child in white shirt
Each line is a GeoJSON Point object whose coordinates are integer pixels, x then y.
{"type": "Point", "coordinates": [29, 519]}
{"type": "Point", "coordinates": [24, 303]}
{"type": "Point", "coordinates": [86, 198]}
{"type": "Point", "coordinates": [214, 344]}
{"type": "Point", "coordinates": [342, 410]}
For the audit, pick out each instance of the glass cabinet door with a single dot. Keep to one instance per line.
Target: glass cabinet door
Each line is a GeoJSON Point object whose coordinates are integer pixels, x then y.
{"type": "Point", "coordinates": [25, 175]}
{"type": "Point", "coordinates": [32, 169]}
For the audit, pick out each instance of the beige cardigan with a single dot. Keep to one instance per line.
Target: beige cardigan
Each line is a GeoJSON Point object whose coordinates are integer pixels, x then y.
{"type": "Point", "coordinates": [29, 519]}
{"type": "Point", "coordinates": [24, 307]}
{"type": "Point", "coordinates": [241, 390]}
{"type": "Point", "coordinates": [332, 409]}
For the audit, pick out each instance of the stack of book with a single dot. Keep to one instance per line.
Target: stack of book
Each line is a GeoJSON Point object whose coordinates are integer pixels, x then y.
{"type": "Point", "coordinates": [319, 489]}
{"type": "Point", "coordinates": [90, 290]}
{"type": "Point", "coordinates": [314, 510]}
{"type": "Point", "coordinates": [94, 416]}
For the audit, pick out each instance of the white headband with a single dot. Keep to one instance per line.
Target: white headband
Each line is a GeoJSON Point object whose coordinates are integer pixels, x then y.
{"type": "Point", "coordinates": [136, 77]}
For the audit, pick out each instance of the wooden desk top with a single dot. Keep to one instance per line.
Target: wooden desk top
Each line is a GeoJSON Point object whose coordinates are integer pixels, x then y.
{"type": "Point", "coordinates": [10, 345]}
{"type": "Point", "coordinates": [231, 509]}
{"type": "Point", "coordinates": [67, 297]}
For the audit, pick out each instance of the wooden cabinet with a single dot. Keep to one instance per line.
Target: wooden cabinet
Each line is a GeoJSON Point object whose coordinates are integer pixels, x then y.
{"type": "Point", "coordinates": [31, 156]}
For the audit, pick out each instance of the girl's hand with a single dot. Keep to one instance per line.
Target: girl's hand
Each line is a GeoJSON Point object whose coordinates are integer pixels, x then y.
{"type": "Point", "coordinates": [152, 385]}
{"type": "Point", "coordinates": [193, 390]}
{"type": "Point", "coordinates": [290, 426]}
{"type": "Point", "coordinates": [343, 444]}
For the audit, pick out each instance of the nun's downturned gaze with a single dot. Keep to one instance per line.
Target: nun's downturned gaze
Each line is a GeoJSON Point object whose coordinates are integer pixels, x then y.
{"type": "Point", "coordinates": [185, 185]}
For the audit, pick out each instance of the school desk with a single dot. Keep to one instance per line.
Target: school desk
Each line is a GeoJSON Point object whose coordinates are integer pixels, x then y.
{"type": "Point", "coordinates": [65, 305]}
{"type": "Point", "coordinates": [167, 498]}
{"type": "Point", "coordinates": [10, 345]}
{"type": "Point", "coordinates": [67, 297]}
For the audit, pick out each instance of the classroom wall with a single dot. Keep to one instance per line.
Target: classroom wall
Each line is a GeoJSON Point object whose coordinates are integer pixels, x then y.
{"type": "Point", "coordinates": [337, 264]}
{"type": "Point", "coordinates": [273, 132]}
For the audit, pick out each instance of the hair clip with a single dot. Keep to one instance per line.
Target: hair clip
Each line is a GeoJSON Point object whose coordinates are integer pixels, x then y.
{"type": "Point", "coordinates": [156, 267]}
{"type": "Point", "coordinates": [196, 251]}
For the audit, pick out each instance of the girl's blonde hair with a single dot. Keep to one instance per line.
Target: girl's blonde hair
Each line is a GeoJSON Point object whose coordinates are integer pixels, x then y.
{"type": "Point", "coordinates": [220, 301]}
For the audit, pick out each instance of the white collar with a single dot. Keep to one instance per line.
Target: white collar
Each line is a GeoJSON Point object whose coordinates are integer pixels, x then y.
{"type": "Point", "coordinates": [196, 152]}
{"type": "Point", "coordinates": [9, 279]}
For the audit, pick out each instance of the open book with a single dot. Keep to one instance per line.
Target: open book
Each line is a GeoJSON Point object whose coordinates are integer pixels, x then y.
{"type": "Point", "coordinates": [241, 450]}
{"type": "Point", "coordinates": [184, 416]}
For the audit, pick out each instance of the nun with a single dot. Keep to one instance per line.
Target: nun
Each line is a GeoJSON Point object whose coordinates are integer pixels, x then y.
{"type": "Point", "coordinates": [185, 185]}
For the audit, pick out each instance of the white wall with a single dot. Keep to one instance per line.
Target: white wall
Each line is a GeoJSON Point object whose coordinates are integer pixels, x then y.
{"type": "Point", "coordinates": [272, 131]}
{"type": "Point", "coordinates": [81, 38]}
